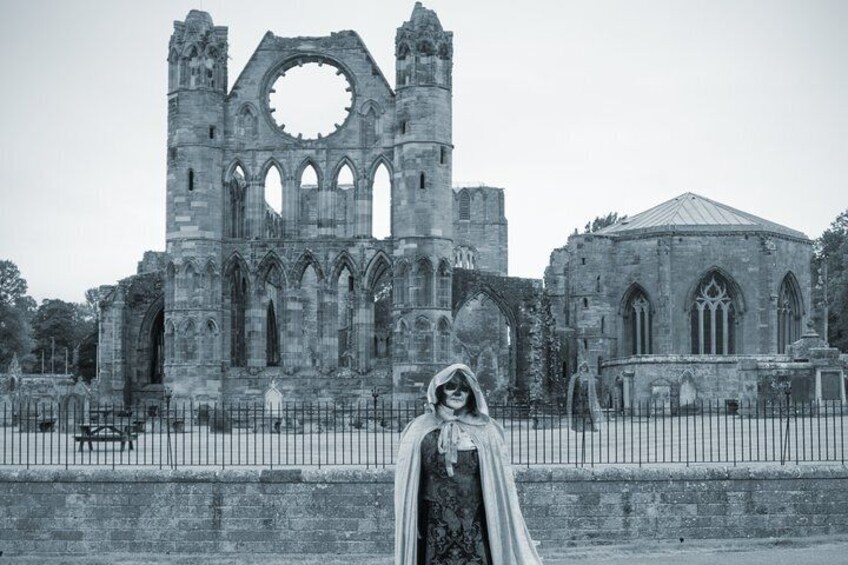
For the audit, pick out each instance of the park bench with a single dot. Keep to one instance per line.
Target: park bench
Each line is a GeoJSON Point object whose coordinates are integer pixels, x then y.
{"type": "Point", "coordinates": [90, 434]}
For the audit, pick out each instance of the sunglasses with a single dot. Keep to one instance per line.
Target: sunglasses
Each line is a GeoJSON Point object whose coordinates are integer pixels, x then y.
{"type": "Point", "coordinates": [451, 387]}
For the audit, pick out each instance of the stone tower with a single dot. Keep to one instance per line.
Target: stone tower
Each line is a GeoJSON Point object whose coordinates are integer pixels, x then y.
{"type": "Point", "coordinates": [197, 86]}
{"type": "Point", "coordinates": [422, 199]}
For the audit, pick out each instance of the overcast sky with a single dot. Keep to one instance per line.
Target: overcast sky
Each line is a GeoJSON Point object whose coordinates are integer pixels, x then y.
{"type": "Point", "coordinates": [574, 108]}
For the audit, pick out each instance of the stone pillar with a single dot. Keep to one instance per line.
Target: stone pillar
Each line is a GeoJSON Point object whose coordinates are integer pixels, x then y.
{"type": "Point", "coordinates": [254, 209]}
{"type": "Point", "coordinates": [363, 208]}
{"type": "Point", "coordinates": [363, 328]}
{"type": "Point", "coordinates": [767, 301]}
{"type": "Point", "coordinates": [629, 393]}
{"type": "Point", "coordinates": [291, 206]}
{"type": "Point", "coordinates": [326, 209]}
{"type": "Point", "coordinates": [254, 328]}
{"type": "Point", "coordinates": [664, 338]}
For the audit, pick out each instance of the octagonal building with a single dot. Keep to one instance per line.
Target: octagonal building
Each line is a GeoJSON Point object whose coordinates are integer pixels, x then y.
{"type": "Point", "coordinates": [684, 290]}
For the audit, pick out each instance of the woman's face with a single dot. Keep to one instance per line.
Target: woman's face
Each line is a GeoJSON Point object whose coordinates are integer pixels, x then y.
{"type": "Point", "coordinates": [456, 393]}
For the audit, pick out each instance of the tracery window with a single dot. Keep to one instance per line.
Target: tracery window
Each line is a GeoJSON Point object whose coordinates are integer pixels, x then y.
{"type": "Point", "coordinates": [637, 323]}
{"type": "Point", "coordinates": [788, 314]}
{"type": "Point", "coordinates": [713, 318]}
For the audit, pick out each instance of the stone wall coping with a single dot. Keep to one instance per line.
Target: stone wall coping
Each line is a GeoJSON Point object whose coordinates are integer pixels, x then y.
{"type": "Point", "coordinates": [670, 359]}
{"type": "Point", "coordinates": [535, 474]}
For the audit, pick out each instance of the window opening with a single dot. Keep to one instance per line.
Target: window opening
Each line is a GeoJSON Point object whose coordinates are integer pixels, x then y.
{"type": "Point", "coordinates": [465, 206]}
{"type": "Point", "coordinates": [381, 203]}
{"type": "Point", "coordinates": [344, 179]}
{"type": "Point", "coordinates": [713, 318]}
{"type": "Point", "coordinates": [274, 189]}
{"type": "Point", "coordinates": [309, 177]}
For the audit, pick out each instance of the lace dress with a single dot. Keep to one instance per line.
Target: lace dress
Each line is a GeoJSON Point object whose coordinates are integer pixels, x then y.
{"type": "Point", "coordinates": [452, 519]}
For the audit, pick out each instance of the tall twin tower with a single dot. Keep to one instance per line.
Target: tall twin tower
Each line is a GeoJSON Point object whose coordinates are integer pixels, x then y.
{"type": "Point", "coordinates": [305, 296]}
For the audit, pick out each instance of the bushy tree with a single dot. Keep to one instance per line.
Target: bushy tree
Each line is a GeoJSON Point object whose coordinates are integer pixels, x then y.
{"type": "Point", "coordinates": [601, 222]}
{"type": "Point", "coordinates": [16, 309]}
{"type": "Point", "coordinates": [831, 262]}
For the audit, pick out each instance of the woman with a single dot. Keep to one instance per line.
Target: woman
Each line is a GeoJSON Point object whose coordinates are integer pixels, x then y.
{"type": "Point", "coordinates": [455, 498]}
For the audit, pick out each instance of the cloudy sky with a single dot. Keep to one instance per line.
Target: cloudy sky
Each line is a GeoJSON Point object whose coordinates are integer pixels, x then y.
{"type": "Point", "coordinates": [575, 108]}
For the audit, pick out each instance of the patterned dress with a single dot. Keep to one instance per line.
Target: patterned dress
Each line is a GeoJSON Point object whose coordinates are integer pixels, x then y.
{"type": "Point", "coordinates": [452, 519]}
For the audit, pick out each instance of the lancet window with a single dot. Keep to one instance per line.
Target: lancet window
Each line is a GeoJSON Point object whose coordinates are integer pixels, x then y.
{"type": "Point", "coordinates": [423, 340]}
{"type": "Point", "coordinates": [238, 307]}
{"type": "Point", "coordinates": [637, 323]}
{"type": "Point", "coordinates": [272, 337]}
{"type": "Point", "coordinates": [788, 314]}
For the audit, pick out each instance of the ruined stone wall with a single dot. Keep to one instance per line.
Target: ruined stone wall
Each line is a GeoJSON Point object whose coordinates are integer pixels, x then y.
{"type": "Point", "coordinates": [128, 312]}
{"type": "Point", "coordinates": [349, 511]}
{"type": "Point", "coordinates": [517, 300]}
{"type": "Point", "coordinates": [484, 230]}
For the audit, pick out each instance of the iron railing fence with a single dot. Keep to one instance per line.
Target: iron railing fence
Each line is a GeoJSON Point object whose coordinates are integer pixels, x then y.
{"type": "Point", "coordinates": [366, 434]}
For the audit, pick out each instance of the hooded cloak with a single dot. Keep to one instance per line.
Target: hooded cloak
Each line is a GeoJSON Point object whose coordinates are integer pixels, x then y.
{"type": "Point", "coordinates": [509, 540]}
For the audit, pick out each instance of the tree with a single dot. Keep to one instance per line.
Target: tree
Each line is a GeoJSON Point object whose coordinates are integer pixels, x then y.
{"type": "Point", "coordinates": [15, 334]}
{"type": "Point", "coordinates": [16, 309]}
{"type": "Point", "coordinates": [601, 222]}
{"type": "Point", "coordinates": [59, 327]}
{"type": "Point", "coordinates": [831, 262]}
{"type": "Point", "coordinates": [12, 284]}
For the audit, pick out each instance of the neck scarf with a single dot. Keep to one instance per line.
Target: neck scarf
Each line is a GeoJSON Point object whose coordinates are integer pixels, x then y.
{"type": "Point", "coordinates": [450, 431]}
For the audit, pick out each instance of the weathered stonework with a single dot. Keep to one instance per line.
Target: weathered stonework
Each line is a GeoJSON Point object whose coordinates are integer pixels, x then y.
{"type": "Point", "coordinates": [306, 297]}
{"type": "Point", "coordinates": [657, 265]}
{"type": "Point", "coordinates": [348, 512]}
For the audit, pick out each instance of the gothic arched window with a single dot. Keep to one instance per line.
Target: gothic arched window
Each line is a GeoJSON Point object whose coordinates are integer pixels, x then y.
{"type": "Point", "coordinates": [272, 337]}
{"type": "Point", "coordinates": [637, 323]}
{"type": "Point", "coordinates": [423, 283]}
{"type": "Point", "coordinates": [788, 313]}
{"type": "Point", "coordinates": [713, 317]}
{"type": "Point", "coordinates": [423, 340]}
{"type": "Point", "coordinates": [443, 290]}
{"type": "Point", "coordinates": [188, 352]}
{"type": "Point", "coordinates": [443, 343]}
{"type": "Point", "coordinates": [464, 206]}
{"type": "Point", "coordinates": [401, 286]}
{"type": "Point", "coordinates": [237, 190]}
{"type": "Point", "coordinates": [238, 307]}
{"type": "Point", "coordinates": [157, 349]}
{"type": "Point", "coordinates": [401, 342]}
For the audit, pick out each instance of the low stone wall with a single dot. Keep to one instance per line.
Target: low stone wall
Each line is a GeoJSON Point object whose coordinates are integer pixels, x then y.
{"type": "Point", "coordinates": [349, 511]}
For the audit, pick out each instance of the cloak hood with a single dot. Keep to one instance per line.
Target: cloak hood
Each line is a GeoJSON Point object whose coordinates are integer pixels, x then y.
{"type": "Point", "coordinates": [447, 374]}
{"type": "Point", "coordinates": [509, 539]}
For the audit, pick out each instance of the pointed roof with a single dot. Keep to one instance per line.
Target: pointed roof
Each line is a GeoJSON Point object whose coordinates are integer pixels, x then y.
{"type": "Point", "coordinates": [692, 212]}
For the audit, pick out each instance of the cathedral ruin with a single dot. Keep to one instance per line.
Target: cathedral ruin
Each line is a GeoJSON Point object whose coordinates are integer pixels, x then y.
{"type": "Point", "coordinates": [682, 299]}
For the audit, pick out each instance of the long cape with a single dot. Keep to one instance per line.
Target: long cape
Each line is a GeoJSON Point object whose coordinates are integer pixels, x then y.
{"type": "Point", "coordinates": [509, 540]}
